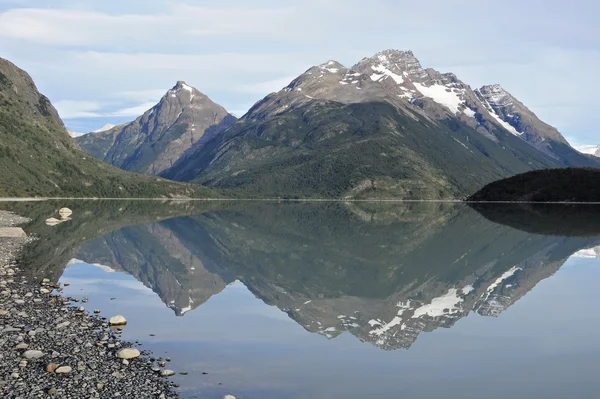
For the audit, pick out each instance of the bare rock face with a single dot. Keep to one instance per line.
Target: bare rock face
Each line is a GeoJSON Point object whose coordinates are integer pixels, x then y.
{"type": "Point", "coordinates": [183, 118]}
{"type": "Point", "coordinates": [330, 81]}
{"type": "Point", "coordinates": [518, 119]}
{"type": "Point", "coordinates": [443, 95]}
{"type": "Point", "coordinates": [440, 94]}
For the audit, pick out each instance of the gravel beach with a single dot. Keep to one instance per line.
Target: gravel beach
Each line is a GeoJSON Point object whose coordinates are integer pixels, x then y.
{"type": "Point", "coordinates": [49, 347]}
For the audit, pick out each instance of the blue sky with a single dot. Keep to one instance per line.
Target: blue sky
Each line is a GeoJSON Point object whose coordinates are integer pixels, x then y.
{"type": "Point", "coordinates": [105, 61]}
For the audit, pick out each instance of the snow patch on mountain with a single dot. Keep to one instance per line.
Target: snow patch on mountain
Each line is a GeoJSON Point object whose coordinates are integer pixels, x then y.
{"type": "Point", "coordinates": [500, 279]}
{"type": "Point", "coordinates": [104, 128]}
{"type": "Point", "coordinates": [74, 134]}
{"type": "Point", "coordinates": [444, 305]}
{"type": "Point", "coordinates": [442, 95]}
{"type": "Point", "coordinates": [589, 149]}
{"type": "Point", "coordinates": [393, 323]}
{"type": "Point", "coordinates": [468, 289]}
{"type": "Point", "coordinates": [189, 307]}
{"type": "Point", "coordinates": [381, 71]}
{"type": "Point", "coordinates": [504, 124]}
{"type": "Point", "coordinates": [589, 253]}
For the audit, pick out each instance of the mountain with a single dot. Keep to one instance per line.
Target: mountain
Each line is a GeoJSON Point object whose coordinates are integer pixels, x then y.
{"type": "Point", "coordinates": [38, 158]}
{"type": "Point", "coordinates": [386, 128]}
{"type": "Point", "coordinates": [553, 185]}
{"type": "Point", "coordinates": [184, 118]}
{"type": "Point", "coordinates": [443, 94]}
{"type": "Point", "coordinates": [589, 149]}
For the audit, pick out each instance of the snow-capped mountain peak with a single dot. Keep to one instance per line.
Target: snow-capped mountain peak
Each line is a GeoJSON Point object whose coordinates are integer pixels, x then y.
{"type": "Point", "coordinates": [104, 128]}
{"type": "Point", "coordinates": [74, 134]}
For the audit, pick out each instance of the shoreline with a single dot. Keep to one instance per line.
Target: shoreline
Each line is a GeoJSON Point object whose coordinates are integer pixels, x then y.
{"type": "Point", "coordinates": [440, 201]}
{"type": "Point", "coordinates": [50, 347]}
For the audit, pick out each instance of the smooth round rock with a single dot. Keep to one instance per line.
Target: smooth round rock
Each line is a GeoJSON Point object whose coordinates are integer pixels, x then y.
{"type": "Point", "coordinates": [51, 367]}
{"type": "Point", "coordinates": [117, 321]}
{"type": "Point", "coordinates": [63, 370]}
{"type": "Point", "coordinates": [128, 353]}
{"type": "Point", "coordinates": [52, 221]}
{"type": "Point", "coordinates": [33, 354]}
{"type": "Point", "coordinates": [228, 397]}
{"type": "Point", "coordinates": [65, 212]}
{"type": "Point", "coordinates": [167, 373]}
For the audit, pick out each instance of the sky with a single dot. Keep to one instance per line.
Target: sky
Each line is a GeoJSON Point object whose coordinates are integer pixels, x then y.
{"type": "Point", "coordinates": [107, 61]}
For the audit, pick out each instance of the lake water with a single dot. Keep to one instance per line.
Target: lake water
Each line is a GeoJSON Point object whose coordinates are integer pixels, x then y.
{"type": "Point", "coordinates": [341, 300]}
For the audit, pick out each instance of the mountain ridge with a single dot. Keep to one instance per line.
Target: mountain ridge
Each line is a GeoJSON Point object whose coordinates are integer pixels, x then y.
{"type": "Point", "coordinates": [309, 138]}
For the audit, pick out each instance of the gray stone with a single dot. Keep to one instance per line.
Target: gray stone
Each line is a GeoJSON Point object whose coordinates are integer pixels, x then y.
{"type": "Point", "coordinates": [128, 353]}
{"type": "Point", "coordinates": [33, 354]}
{"type": "Point", "coordinates": [63, 370]}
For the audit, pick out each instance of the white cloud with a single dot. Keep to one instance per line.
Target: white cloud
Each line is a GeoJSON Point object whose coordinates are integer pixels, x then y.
{"type": "Point", "coordinates": [266, 87]}
{"type": "Point", "coordinates": [69, 109]}
{"type": "Point", "coordinates": [80, 27]}
{"type": "Point", "coordinates": [84, 52]}
{"type": "Point", "coordinates": [133, 112]}
{"type": "Point", "coordinates": [140, 95]}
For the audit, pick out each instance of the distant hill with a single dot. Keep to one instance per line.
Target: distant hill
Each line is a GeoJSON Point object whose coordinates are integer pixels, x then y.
{"type": "Point", "coordinates": [39, 158]}
{"type": "Point", "coordinates": [552, 185]}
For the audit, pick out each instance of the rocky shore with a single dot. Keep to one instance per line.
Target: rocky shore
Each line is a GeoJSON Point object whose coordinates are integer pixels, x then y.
{"type": "Point", "coordinates": [50, 347]}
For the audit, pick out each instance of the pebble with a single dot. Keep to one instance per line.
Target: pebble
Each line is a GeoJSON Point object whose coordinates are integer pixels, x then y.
{"type": "Point", "coordinates": [228, 397]}
{"type": "Point", "coordinates": [33, 354]}
{"type": "Point", "coordinates": [63, 370]}
{"type": "Point", "coordinates": [63, 325]}
{"type": "Point", "coordinates": [167, 373]}
{"type": "Point", "coordinates": [64, 340]}
{"type": "Point", "coordinates": [65, 213]}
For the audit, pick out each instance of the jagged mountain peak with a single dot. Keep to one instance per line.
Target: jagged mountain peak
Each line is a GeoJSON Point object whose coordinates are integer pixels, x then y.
{"type": "Point", "coordinates": [495, 94]}
{"type": "Point", "coordinates": [331, 66]}
{"type": "Point", "coordinates": [183, 91]}
{"type": "Point", "coordinates": [397, 64]}
{"type": "Point", "coordinates": [183, 118]}
{"type": "Point", "coordinates": [392, 55]}
{"type": "Point", "coordinates": [329, 81]}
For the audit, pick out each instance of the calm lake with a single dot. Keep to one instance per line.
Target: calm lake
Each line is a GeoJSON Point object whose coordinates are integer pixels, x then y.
{"type": "Point", "coordinates": [340, 300]}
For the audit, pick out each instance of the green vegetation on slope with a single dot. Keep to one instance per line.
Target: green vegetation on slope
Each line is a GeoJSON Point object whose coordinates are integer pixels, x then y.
{"type": "Point", "coordinates": [552, 185]}
{"type": "Point", "coordinates": [38, 158]}
{"type": "Point", "coordinates": [365, 150]}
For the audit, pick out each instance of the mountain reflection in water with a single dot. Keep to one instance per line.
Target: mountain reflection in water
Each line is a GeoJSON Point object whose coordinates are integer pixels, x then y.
{"type": "Point", "coordinates": [382, 273]}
